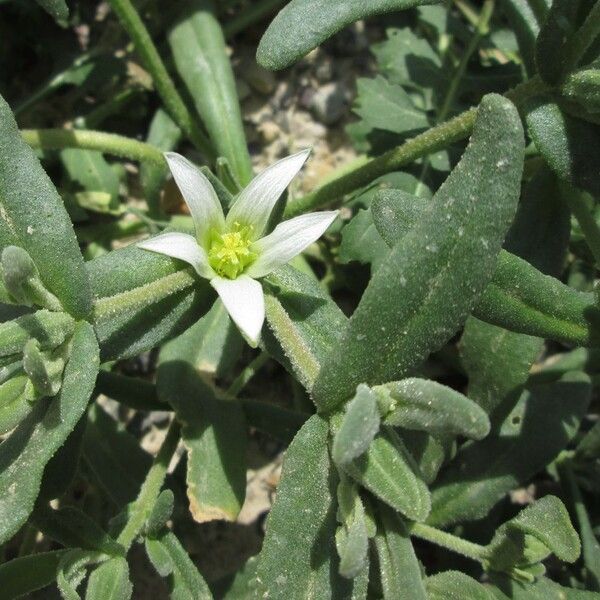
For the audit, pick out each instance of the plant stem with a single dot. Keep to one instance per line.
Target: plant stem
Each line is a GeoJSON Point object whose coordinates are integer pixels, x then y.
{"type": "Point", "coordinates": [250, 14]}
{"type": "Point", "coordinates": [460, 546]}
{"type": "Point", "coordinates": [133, 24]}
{"type": "Point", "coordinates": [449, 541]}
{"type": "Point", "coordinates": [239, 383]}
{"type": "Point", "coordinates": [109, 143]}
{"type": "Point", "coordinates": [582, 39]}
{"type": "Point", "coordinates": [426, 143]}
{"type": "Point", "coordinates": [106, 308]}
{"type": "Point", "coordinates": [436, 138]}
{"type": "Point", "coordinates": [481, 30]}
{"type": "Point", "coordinates": [579, 208]}
{"type": "Point", "coordinates": [143, 505]}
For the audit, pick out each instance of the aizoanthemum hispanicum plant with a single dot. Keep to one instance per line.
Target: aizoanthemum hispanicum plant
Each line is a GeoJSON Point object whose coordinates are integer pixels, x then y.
{"type": "Point", "coordinates": [233, 251]}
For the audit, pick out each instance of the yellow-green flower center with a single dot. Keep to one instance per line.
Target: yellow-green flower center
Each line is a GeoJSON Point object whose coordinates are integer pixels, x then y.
{"type": "Point", "coordinates": [230, 253]}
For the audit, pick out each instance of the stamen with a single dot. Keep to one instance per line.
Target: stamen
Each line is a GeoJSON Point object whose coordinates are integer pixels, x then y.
{"type": "Point", "coordinates": [230, 253]}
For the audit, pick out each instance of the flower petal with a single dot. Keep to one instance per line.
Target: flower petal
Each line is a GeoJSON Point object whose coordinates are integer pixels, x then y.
{"type": "Point", "coordinates": [198, 194]}
{"type": "Point", "coordinates": [244, 300]}
{"type": "Point", "coordinates": [287, 240]}
{"type": "Point", "coordinates": [181, 246]}
{"type": "Point", "coordinates": [255, 202]}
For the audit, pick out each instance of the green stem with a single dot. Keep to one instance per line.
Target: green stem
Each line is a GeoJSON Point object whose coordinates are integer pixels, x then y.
{"type": "Point", "coordinates": [460, 546]}
{"type": "Point", "coordinates": [250, 14]}
{"type": "Point", "coordinates": [579, 208]}
{"type": "Point", "coordinates": [481, 30]}
{"type": "Point", "coordinates": [133, 24]}
{"type": "Point", "coordinates": [582, 39]}
{"type": "Point", "coordinates": [247, 374]}
{"type": "Point", "coordinates": [426, 143]}
{"type": "Point", "coordinates": [143, 505]}
{"type": "Point", "coordinates": [449, 541]}
{"type": "Point", "coordinates": [436, 138]}
{"type": "Point", "coordinates": [109, 143]}
{"type": "Point", "coordinates": [106, 308]}
{"type": "Point", "coordinates": [467, 10]}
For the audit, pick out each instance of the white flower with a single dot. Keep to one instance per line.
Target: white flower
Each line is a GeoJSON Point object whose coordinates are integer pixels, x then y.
{"type": "Point", "coordinates": [232, 251]}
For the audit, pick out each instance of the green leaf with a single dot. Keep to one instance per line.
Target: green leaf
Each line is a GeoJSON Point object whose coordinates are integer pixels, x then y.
{"type": "Point", "coordinates": [569, 145]}
{"type": "Point", "coordinates": [409, 60]}
{"type": "Point", "coordinates": [110, 581]}
{"type": "Point", "coordinates": [583, 87]}
{"type": "Point", "coordinates": [34, 218]}
{"type": "Point", "coordinates": [361, 241]}
{"type": "Point", "coordinates": [358, 427]}
{"type": "Point", "coordinates": [303, 323]}
{"type": "Point", "coordinates": [25, 453]}
{"type": "Point", "coordinates": [497, 362]}
{"type": "Point", "coordinates": [216, 342]}
{"type": "Point", "coordinates": [352, 537]}
{"type": "Point", "coordinates": [522, 299]}
{"type": "Point", "coordinates": [387, 106]}
{"type": "Point", "coordinates": [163, 134]}
{"type": "Point", "coordinates": [169, 558]}
{"type": "Point", "coordinates": [519, 298]}
{"type": "Point", "coordinates": [541, 589]}
{"type": "Point", "coordinates": [398, 565]}
{"type": "Point", "coordinates": [589, 542]}
{"type": "Point", "coordinates": [395, 212]}
{"type": "Point", "coordinates": [161, 512]}
{"type": "Point", "coordinates": [298, 552]}
{"type": "Point", "coordinates": [48, 328]}
{"type": "Point", "coordinates": [280, 423]}
{"type": "Point", "coordinates": [90, 170]}
{"type": "Point", "coordinates": [312, 22]}
{"type": "Point", "coordinates": [214, 430]}
{"type": "Point", "coordinates": [72, 570]}
{"type": "Point", "coordinates": [541, 230]}
{"type": "Point", "coordinates": [202, 61]}
{"type": "Point", "coordinates": [58, 9]}
{"type": "Point", "coordinates": [26, 574]}
{"type": "Point", "coordinates": [454, 585]}
{"type": "Point", "coordinates": [22, 280]}
{"type": "Point", "coordinates": [387, 470]}
{"type": "Point", "coordinates": [113, 458]}
{"type": "Point", "coordinates": [142, 299]}
{"type": "Point", "coordinates": [558, 27]}
{"type": "Point", "coordinates": [429, 453]}
{"type": "Point", "coordinates": [532, 434]}
{"type": "Point", "coordinates": [542, 528]}
{"type": "Point", "coordinates": [71, 527]}
{"type": "Point", "coordinates": [432, 407]}
{"type": "Point", "coordinates": [16, 402]}
{"type": "Point", "coordinates": [525, 23]}
{"type": "Point", "coordinates": [429, 282]}
{"type": "Point", "coordinates": [63, 466]}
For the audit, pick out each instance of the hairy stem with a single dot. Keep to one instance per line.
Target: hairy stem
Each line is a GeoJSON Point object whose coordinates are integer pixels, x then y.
{"type": "Point", "coordinates": [143, 505]}
{"type": "Point", "coordinates": [448, 541]}
{"type": "Point", "coordinates": [133, 24]}
{"type": "Point", "coordinates": [433, 140]}
{"type": "Point", "coordinates": [109, 143]}
{"type": "Point", "coordinates": [247, 374]}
